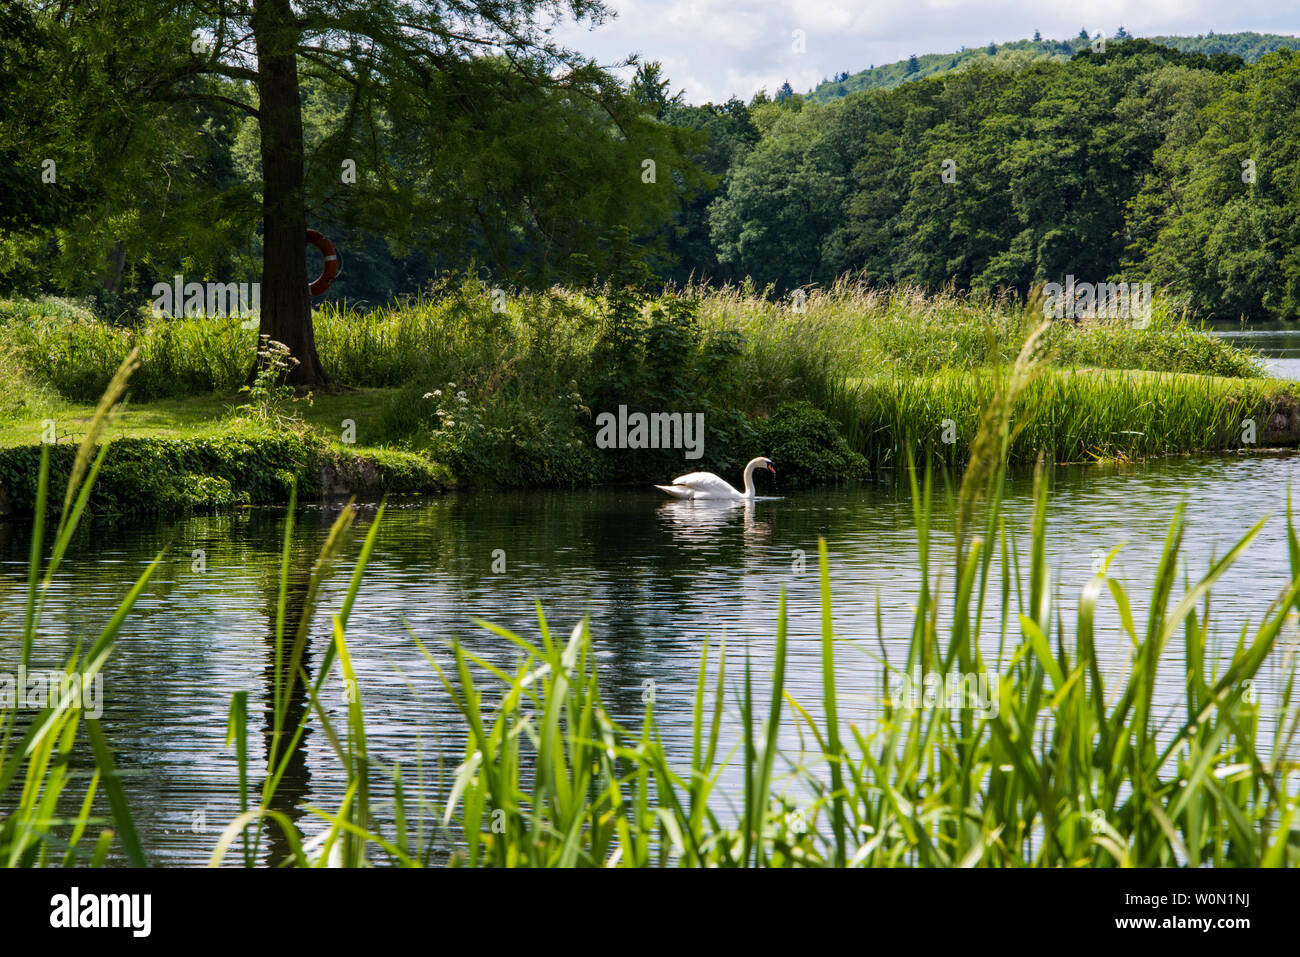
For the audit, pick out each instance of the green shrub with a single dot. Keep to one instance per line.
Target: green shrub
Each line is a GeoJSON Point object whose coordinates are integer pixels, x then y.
{"type": "Point", "coordinates": [807, 446]}
{"type": "Point", "coordinates": [505, 442]}
{"type": "Point", "coordinates": [77, 356]}
{"type": "Point", "coordinates": [19, 396]}
{"type": "Point", "coordinates": [407, 418]}
{"type": "Point", "coordinates": [1168, 344]}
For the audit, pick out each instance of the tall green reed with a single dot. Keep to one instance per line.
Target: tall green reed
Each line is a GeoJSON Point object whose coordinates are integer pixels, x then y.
{"type": "Point", "coordinates": [1070, 416]}
{"type": "Point", "coordinates": [36, 778]}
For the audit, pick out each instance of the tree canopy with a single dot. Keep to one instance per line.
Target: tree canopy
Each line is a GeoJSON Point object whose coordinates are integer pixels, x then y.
{"type": "Point", "coordinates": [436, 138]}
{"type": "Point", "coordinates": [206, 137]}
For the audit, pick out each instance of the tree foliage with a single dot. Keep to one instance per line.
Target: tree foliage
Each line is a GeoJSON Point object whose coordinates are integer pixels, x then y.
{"type": "Point", "coordinates": [1124, 164]}
{"type": "Point", "coordinates": [493, 151]}
{"type": "Point", "coordinates": [436, 136]}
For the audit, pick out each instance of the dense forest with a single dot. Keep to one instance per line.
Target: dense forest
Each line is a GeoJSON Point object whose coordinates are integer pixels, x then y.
{"type": "Point", "coordinates": [1141, 162]}
{"type": "Point", "coordinates": [1137, 162]}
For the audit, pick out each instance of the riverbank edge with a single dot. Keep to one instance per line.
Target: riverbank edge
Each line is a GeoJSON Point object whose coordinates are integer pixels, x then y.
{"type": "Point", "coordinates": [121, 490]}
{"type": "Point", "coordinates": [161, 476]}
{"type": "Point", "coordinates": [150, 475]}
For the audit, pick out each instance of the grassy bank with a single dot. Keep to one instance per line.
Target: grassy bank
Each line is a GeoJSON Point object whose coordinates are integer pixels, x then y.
{"type": "Point", "coordinates": [1072, 767]}
{"type": "Point", "coordinates": [782, 347]}
{"type": "Point", "coordinates": [828, 386]}
{"type": "Point", "coordinates": [209, 453]}
{"type": "Point", "coordinates": [167, 476]}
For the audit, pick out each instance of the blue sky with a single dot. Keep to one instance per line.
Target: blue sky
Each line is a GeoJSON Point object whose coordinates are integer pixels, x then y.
{"type": "Point", "coordinates": [715, 48]}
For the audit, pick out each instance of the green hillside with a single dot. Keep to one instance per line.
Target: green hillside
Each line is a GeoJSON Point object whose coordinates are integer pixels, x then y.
{"type": "Point", "coordinates": [1249, 46]}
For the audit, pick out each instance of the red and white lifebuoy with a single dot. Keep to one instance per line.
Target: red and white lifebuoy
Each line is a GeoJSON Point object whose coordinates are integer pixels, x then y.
{"type": "Point", "coordinates": [332, 262]}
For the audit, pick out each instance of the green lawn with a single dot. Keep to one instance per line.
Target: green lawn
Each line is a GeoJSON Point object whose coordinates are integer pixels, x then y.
{"type": "Point", "coordinates": [200, 416]}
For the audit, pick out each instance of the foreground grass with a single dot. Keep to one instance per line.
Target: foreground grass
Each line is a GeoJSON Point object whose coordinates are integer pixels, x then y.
{"type": "Point", "coordinates": [1070, 769]}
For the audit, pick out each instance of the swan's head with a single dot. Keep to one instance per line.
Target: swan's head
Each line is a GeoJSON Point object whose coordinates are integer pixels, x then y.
{"type": "Point", "coordinates": [762, 463]}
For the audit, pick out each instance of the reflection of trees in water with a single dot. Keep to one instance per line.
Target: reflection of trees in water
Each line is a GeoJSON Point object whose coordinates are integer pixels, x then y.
{"type": "Point", "coordinates": [295, 784]}
{"type": "Point", "coordinates": [10, 585]}
{"type": "Point", "coordinates": [294, 787]}
{"type": "Point", "coordinates": [617, 555]}
{"type": "Point", "coordinates": [648, 554]}
{"type": "Point", "coordinates": [627, 556]}
{"type": "Point", "coordinates": [614, 553]}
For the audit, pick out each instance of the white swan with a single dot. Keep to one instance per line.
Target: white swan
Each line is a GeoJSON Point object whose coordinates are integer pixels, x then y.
{"type": "Point", "coordinates": [708, 485]}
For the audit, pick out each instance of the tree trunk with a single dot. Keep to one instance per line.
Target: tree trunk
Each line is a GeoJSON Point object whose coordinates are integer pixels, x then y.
{"type": "Point", "coordinates": [286, 303]}
{"type": "Point", "coordinates": [116, 267]}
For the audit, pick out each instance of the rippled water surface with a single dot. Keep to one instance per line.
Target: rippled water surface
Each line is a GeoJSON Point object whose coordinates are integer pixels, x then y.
{"type": "Point", "coordinates": [1277, 342]}
{"type": "Point", "coordinates": [656, 578]}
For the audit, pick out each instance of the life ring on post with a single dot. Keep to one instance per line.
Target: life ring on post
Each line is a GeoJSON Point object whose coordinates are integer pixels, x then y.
{"type": "Point", "coordinates": [332, 262]}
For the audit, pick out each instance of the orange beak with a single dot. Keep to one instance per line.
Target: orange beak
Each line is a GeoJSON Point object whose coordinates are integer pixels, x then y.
{"type": "Point", "coordinates": [772, 469]}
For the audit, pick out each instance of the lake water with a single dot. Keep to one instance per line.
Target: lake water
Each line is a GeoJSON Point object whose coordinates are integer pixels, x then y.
{"type": "Point", "coordinates": [655, 577]}
{"type": "Point", "coordinates": [1277, 342]}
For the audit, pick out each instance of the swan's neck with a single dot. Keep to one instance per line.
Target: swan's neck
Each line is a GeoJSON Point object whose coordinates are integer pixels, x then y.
{"type": "Point", "coordinates": [749, 480]}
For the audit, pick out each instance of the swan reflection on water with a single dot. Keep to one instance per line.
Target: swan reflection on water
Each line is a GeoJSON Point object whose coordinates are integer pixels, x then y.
{"type": "Point", "coordinates": [704, 521]}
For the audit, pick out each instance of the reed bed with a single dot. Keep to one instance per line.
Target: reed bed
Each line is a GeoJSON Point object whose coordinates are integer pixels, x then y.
{"type": "Point", "coordinates": [462, 332]}
{"type": "Point", "coordinates": [854, 330]}
{"type": "Point", "coordinates": [792, 349]}
{"type": "Point", "coordinates": [900, 372]}
{"type": "Point", "coordinates": [1069, 415]}
{"type": "Point", "coordinates": [77, 356]}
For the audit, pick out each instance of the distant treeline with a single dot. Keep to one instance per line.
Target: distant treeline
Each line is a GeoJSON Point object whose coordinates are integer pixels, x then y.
{"type": "Point", "coordinates": [1136, 163]}
{"type": "Point", "coordinates": [1248, 46]}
